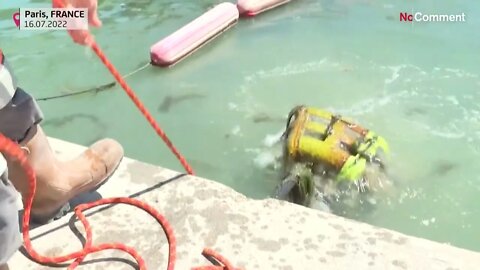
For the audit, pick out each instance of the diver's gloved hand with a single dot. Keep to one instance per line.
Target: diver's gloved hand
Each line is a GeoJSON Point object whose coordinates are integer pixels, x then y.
{"type": "Point", "coordinates": [81, 37]}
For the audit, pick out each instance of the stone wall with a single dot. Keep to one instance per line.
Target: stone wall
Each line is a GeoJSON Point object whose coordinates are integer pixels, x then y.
{"type": "Point", "coordinates": [252, 234]}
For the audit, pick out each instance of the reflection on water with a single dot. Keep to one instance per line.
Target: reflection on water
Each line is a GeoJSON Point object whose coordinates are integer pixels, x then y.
{"type": "Point", "coordinates": [416, 85]}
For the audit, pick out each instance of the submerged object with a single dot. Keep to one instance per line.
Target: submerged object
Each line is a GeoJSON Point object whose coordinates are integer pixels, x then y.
{"type": "Point", "coordinates": [255, 7]}
{"type": "Point", "coordinates": [320, 138]}
{"type": "Point", "coordinates": [194, 35]}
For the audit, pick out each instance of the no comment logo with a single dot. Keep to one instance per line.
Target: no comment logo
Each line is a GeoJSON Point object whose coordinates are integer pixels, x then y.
{"type": "Point", "coordinates": [422, 17]}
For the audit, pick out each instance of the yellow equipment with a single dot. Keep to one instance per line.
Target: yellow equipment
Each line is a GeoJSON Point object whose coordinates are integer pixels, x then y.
{"type": "Point", "coordinates": [321, 138]}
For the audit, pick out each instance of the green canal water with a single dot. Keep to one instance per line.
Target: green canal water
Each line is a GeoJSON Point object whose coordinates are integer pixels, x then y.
{"type": "Point", "coordinates": [417, 84]}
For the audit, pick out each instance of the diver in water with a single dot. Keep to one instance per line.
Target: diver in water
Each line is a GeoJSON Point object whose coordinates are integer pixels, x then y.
{"type": "Point", "coordinates": [326, 156]}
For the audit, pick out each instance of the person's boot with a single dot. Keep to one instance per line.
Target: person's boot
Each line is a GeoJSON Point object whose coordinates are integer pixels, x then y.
{"type": "Point", "coordinates": [60, 181]}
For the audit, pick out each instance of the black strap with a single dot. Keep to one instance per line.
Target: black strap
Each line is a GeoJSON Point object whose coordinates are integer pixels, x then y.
{"type": "Point", "coordinates": [328, 130]}
{"type": "Point", "coordinates": [291, 114]}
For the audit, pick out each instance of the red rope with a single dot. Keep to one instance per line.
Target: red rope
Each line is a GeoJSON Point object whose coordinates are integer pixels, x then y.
{"type": "Point", "coordinates": [14, 151]}
{"type": "Point", "coordinates": [141, 107]}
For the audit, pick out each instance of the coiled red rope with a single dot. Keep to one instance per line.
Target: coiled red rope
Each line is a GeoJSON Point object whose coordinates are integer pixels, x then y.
{"type": "Point", "coordinates": [12, 150]}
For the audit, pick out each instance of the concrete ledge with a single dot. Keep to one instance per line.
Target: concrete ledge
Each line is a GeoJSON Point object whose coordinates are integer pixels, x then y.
{"type": "Point", "coordinates": [252, 234]}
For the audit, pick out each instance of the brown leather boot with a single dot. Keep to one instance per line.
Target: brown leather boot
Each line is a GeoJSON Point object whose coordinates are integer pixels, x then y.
{"type": "Point", "coordinates": [60, 181]}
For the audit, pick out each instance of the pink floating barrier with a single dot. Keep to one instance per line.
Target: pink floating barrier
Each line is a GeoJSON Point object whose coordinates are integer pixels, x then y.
{"type": "Point", "coordinates": [194, 35]}
{"type": "Point", "coordinates": [255, 7]}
